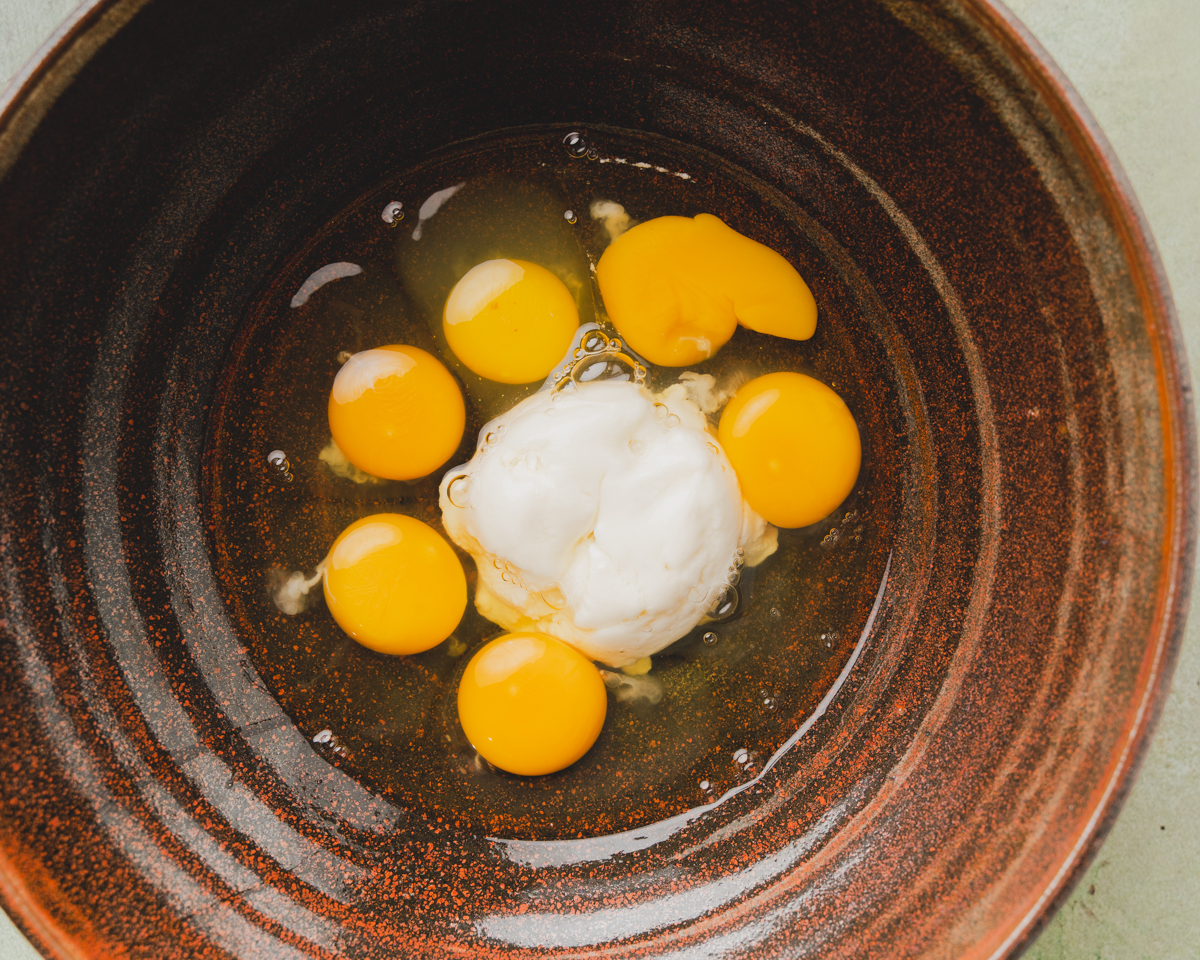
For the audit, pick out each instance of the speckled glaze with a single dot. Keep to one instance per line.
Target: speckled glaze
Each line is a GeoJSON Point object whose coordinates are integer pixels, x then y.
{"type": "Point", "coordinates": [162, 159]}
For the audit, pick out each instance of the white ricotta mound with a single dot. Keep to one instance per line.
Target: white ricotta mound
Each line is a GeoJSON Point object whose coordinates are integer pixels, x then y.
{"type": "Point", "coordinates": [604, 516]}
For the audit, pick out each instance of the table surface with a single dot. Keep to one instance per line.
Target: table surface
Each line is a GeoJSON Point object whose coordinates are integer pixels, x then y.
{"type": "Point", "coordinates": [1135, 63]}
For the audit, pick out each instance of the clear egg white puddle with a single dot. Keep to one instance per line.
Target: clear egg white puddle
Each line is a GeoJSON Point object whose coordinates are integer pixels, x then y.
{"type": "Point", "coordinates": [558, 853]}
{"type": "Point", "coordinates": [743, 683]}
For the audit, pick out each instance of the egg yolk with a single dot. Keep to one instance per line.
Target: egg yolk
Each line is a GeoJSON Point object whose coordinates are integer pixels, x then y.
{"type": "Point", "coordinates": [794, 447]}
{"type": "Point", "coordinates": [530, 704]}
{"type": "Point", "coordinates": [677, 287]}
{"type": "Point", "coordinates": [394, 584]}
{"type": "Point", "coordinates": [396, 412]}
{"type": "Point", "coordinates": [510, 320]}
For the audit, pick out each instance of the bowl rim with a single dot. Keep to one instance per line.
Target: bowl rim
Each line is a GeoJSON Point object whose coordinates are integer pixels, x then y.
{"type": "Point", "coordinates": [32, 92]}
{"type": "Point", "coordinates": [1180, 474]}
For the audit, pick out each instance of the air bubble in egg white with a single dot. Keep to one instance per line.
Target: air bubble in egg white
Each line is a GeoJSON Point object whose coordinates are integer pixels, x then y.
{"type": "Point", "coordinates": [710, 638]}
{"type": "Point", "coordinates": [278, 459]}
{"type": "Point", "coordinates": [726, 605]}
{"type": "Point", "coordinates": [393, 212]}
{"type": "Point", "coordinates": [554, 597]}
{"type": "Point", "coordinates": [602, 368]}
{"type": "Point", "coordinates": [575, 143]}
{"type": "Point", "coordinates": [570, 217]}
{"type": "Point", "coordinates": [459, 491]}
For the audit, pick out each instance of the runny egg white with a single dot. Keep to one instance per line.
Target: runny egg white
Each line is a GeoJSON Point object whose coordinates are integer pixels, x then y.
{"type": "Point", "coordinates": [602, 515]}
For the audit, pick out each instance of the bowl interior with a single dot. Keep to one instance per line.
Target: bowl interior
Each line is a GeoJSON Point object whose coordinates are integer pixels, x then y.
{"type": "Point", "coordinates": [1005, 625]}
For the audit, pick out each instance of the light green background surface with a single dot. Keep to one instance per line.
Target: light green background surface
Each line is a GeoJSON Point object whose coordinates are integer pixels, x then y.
{"type": "Point", "coordinates": [1137, 65]}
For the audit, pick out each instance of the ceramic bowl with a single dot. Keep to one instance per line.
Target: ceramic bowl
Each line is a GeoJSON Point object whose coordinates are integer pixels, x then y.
{"type": "Point", "coordinates": [1007, 344]}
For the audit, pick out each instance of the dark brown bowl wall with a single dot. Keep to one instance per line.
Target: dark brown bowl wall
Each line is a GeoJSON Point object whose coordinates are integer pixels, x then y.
{"type": "Point", "coordinates": [156, 802]}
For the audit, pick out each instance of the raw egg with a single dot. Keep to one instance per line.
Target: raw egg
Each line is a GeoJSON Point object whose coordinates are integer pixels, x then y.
{"type": "Point", "coordinates": [396, 412]}
{"type": "Point", "coordinates": [677, 287]}
{"type": "Point", "coordinates": [510, 320]}
{"type": "Point", "coordinates": [394, 584]}
{"type": "Point", "coordinates": [794, 445]}
{"type": "Point", "coordinates": [530, 704]}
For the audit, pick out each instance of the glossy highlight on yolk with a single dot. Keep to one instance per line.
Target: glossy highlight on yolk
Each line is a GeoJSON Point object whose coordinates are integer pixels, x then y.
{"type": "Point", "coordinates": [394, 584]}
{"type": "Point", "coordinates": [510, 320]}
{"type": "Point", "coordinates": [677, 287]}
{"type": "Point", "coordinates": [396, 412]}
{"type": "Point", "coordinates": [530, 704]}
{"type": "Point", "coordinates": [794, 446]}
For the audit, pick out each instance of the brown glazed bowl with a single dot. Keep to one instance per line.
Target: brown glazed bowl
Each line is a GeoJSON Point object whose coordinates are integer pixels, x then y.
{"type": "Point", "coordinates": [1014, 363]}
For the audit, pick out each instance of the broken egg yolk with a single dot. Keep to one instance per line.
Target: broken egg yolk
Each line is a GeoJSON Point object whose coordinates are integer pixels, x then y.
{"type": "Point", "coordinates": [530, 704]}
{"type": "Point", "coordinates": [396, 412]}
{"type": "Point", "coordinates": [677, 287]}
{"type": "Point", "coordinates": [394, 584]}
{"type": "Point", "coordinates": [794, 446]}
{"type": "Point", "coordinates": [510, 320]}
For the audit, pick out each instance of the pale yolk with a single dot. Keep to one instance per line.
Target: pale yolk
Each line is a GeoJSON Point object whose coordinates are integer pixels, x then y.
{"type": "Point", "coordinates": [530, 704]}
{"type": "Point", "coordinates": [676, 288]}
{"type": "Point", "coordinates": [394, 584]}
{"type": "Point", "coordinates": [510, 320]}
{"type": "Point", "coordinates": [794, 446]}
{"type": "Point", "coordinates": [396, 412]}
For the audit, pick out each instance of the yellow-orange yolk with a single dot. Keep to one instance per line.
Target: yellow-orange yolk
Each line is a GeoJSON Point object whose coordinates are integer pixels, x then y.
{"type": "Point", "coordinates": [396, 412]}
{"type": "Point", "coordinates": [394, 584]}
{"type": "Point", "coordinates": [794, 446]}
{"type": "Point", "coordinates": [530, 704]}
{"type": "Point", "coordinates": [510, 320]}
{"type": "Point", "coordinates": [677, 287]}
